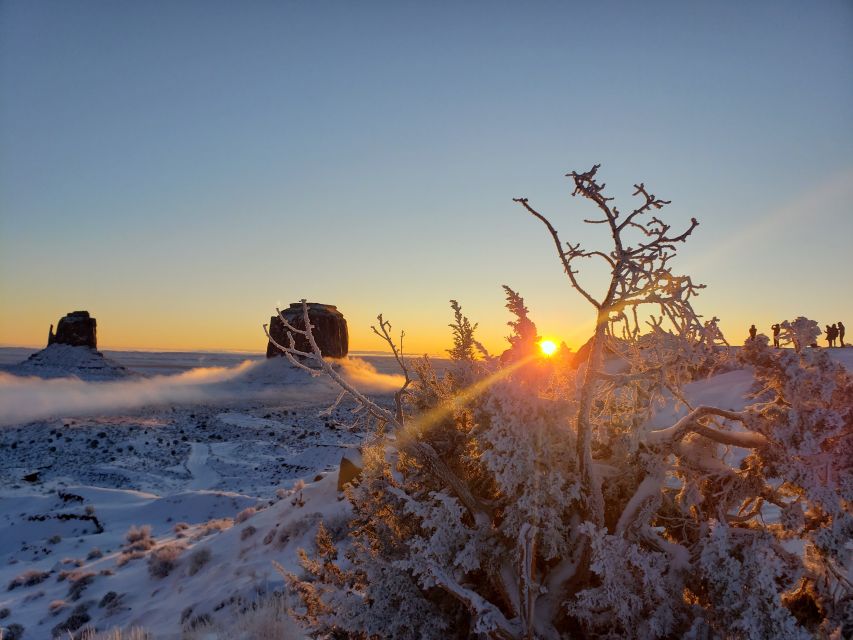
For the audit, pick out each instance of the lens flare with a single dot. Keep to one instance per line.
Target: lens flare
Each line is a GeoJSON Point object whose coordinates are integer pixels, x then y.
{"type": "Point", "coordinates": [548, 348]}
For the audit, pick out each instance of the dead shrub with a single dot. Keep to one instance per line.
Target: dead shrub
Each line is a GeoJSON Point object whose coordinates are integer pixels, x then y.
{"type": "Point", "coordinates": [245, 514]}
{"type": "Point", "coordinates": [28, 579]}
{"type": "Point", "coordinates": [164, 559]}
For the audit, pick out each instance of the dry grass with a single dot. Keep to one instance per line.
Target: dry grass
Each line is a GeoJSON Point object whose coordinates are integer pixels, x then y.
{"type": "Point", "coordinates": [266, 620]}
{"type": "Point", "coordinates": [213, 526]}
{"type": "Point", "coordinates": [135, 633]}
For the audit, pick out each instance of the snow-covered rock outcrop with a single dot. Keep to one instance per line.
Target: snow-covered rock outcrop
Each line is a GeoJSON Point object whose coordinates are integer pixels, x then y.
{"type": "Point", "coordinates": [61, 360]}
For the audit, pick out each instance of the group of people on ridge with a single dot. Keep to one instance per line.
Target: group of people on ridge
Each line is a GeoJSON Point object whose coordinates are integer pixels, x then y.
{"type": "Point", "coordinates": [833, 332]}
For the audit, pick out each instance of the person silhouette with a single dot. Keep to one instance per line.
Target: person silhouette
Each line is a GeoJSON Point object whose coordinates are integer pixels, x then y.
{"type": "Point", "coordinates": [841, 333]}
{"type": "Point", "coordinates": [829, 337]}
{"type": "Point", "coordinates": [834, 330]}
{"type": "Point", "coordinates": [776, 329]}
{"type": "Point", "coordinates": [752, 332]}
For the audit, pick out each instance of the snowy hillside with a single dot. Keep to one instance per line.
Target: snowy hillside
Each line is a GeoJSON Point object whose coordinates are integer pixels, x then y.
{"type": "Point", "coordinates": [61, 360]}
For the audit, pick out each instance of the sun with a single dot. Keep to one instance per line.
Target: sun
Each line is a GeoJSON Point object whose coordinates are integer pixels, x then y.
{"type": "Point", "coordinates": [548, 348]}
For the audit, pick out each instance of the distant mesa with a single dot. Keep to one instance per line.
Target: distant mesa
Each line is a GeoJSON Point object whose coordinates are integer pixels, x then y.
{"type": "Point", "coordinates": [77, 329]}
{"type": "Point", "coordinates": [72, 351]}
{"type": "Point", "coordinates": [330, 330]}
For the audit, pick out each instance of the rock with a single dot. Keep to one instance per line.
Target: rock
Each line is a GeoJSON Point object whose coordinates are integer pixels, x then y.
{"type": "Point", "coordinates": [350, 468]}
{"type": "Point", "coordinates": [31, 477]}
{"type": "Point", "coordinates": [330, 330]}
{"type": "Point", "coordinates": [77, 329]}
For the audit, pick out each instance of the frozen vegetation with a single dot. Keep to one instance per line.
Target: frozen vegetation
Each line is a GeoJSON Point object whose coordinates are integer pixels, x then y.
{"type": "Point", "coordinates": [658, 484]}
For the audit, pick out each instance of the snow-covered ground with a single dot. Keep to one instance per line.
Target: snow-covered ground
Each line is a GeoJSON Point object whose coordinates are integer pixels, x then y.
{"type": "Point", "coordinates": [182, 443]}
{"type": "Point", "coordinates": [133, 439]}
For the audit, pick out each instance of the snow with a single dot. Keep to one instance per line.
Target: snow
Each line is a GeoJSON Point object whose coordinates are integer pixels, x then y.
{"type": "Point", "coordinates": [232, 436]}
{"type": "Point", "coordinates": [60, 360]}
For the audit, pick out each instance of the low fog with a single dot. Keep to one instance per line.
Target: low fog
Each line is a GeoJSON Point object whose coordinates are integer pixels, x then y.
{"type": "Point", "coordinates": [25, 399]}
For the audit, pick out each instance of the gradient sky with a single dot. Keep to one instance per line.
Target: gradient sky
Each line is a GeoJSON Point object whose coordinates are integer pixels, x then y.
{"type": "Point", "coordinates": [179, 168]}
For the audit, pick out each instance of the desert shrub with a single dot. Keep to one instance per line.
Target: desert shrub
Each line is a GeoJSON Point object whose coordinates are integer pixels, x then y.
{"type": "Point", "coordinates": [111, 601]}
{"type": "Point", "coordinates": [164, 559]}
{"type": "Point", "coordinates": [127, 556]}
{"type": "Point", "coordinates": [33, 596]}
{"type": "Point", "coordinates": [247, 532]}
{"type": "Point", "coordinates": [212, 526]}
{"type": "Point", "coordinates": [56, 606]}
{"type": "Point", "coordinates": [29, 578]}
{"type": "Point", "coordinates": [94, 554]}
{"type": "Point", "coordinates": [245, 514]}
{"type": "Point", "coordinates": [78, 617]}
{"type": "Point", "coordinates": [138, 538]}
{"type": "Point", "coordinates": [515, 506]}
{"type": "Point", "coordinates": [79, 580]}
{"type": "Point", "coordinates": [297, 528]}
{"type": "Point", "coordinates": [197, 560]}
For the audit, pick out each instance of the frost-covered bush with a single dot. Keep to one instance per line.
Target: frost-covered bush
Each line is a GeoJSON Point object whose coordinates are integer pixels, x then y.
{"type": "Point", "coordinates": [800, 333]}
{"type": "Point", "coordinates": [494, 503]}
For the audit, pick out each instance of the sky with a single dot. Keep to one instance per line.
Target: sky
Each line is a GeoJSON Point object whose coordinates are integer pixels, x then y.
{"type": "Point", "coordinates": [180, 168]}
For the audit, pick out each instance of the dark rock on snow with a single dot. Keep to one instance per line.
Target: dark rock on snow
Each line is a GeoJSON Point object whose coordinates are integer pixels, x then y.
{"type": "Point", "coordinates": [330, 330]}
{"type": "Point", "coordinates": [77, 329]}
{"type": "Point", "coordinates": [71, 351]}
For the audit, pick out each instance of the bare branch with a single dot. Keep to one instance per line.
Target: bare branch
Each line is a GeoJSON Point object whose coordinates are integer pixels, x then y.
{"type": "Point", "coordinates": [563, 256]}
{"type": "Point", "coordinates": [690, 423]}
